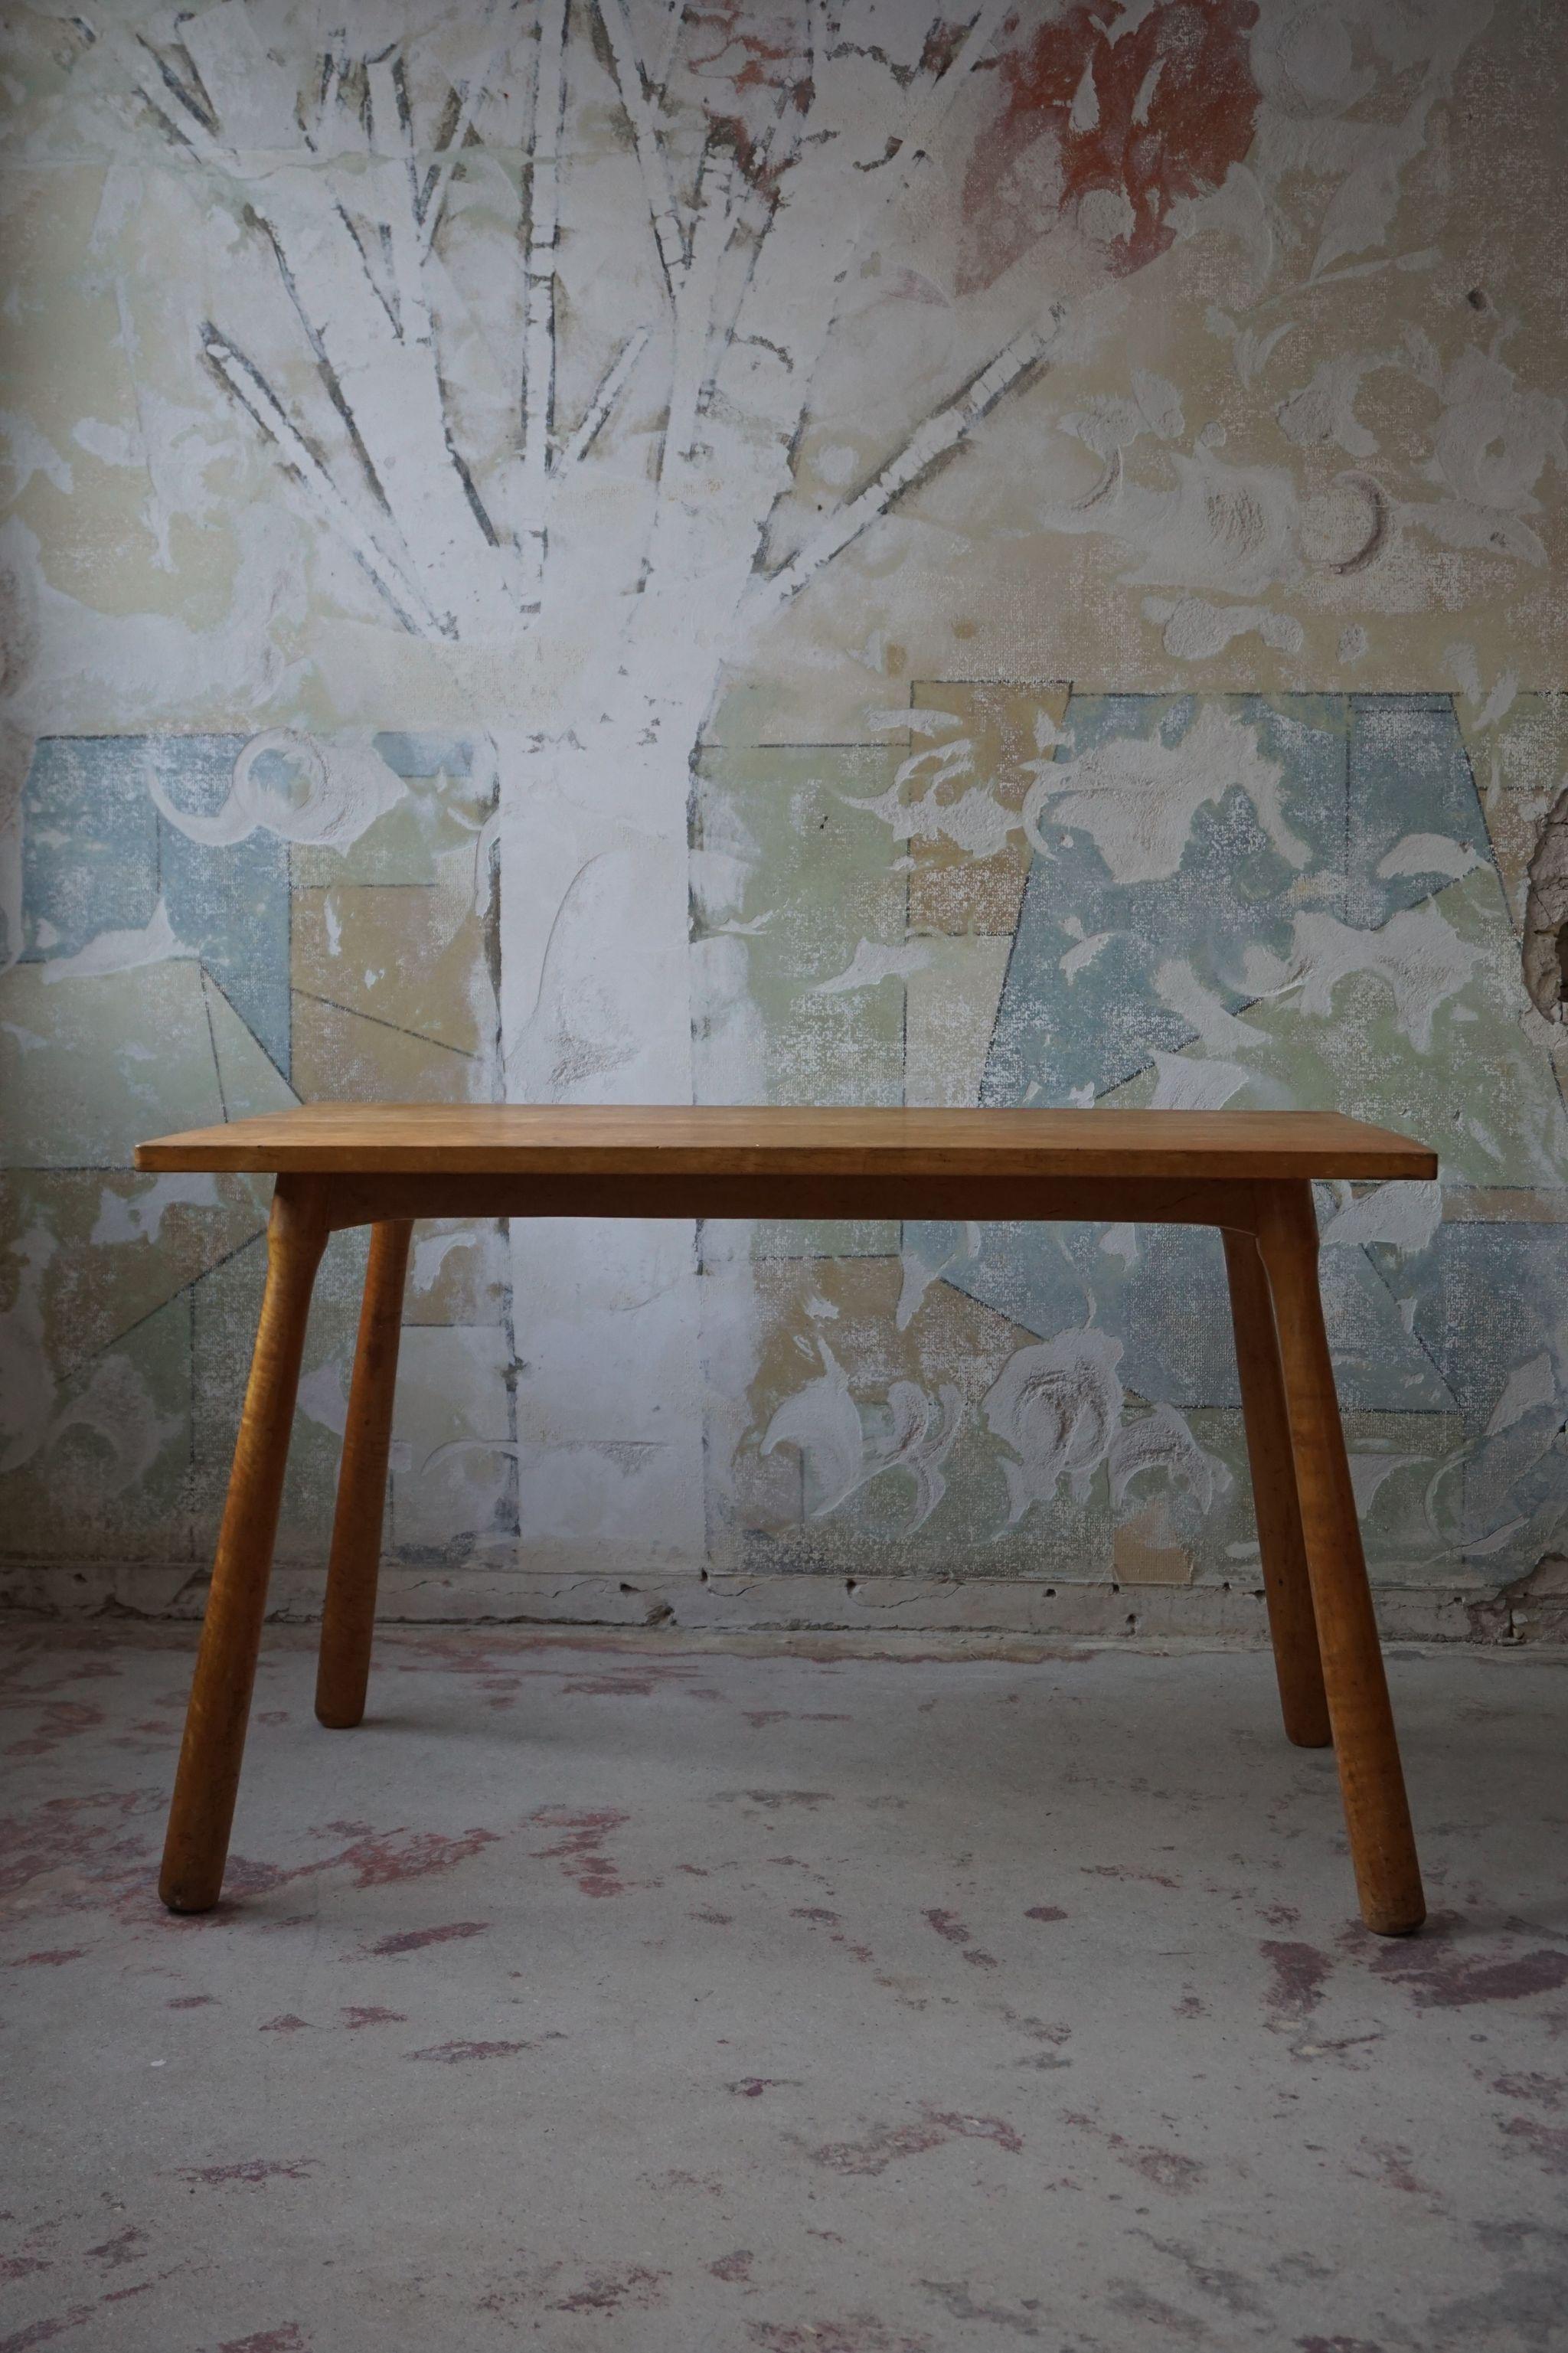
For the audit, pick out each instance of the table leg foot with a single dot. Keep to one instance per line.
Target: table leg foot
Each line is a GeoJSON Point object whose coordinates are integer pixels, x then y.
{"type": "Point", "coordinates": [348, 1618]}
{"type": "Point", "coordinates": [1287, 1587]}
{"type": "Point", "coordinates": [196, 1846]}
{"type": "Point", "coordinates": [1371, 1781]}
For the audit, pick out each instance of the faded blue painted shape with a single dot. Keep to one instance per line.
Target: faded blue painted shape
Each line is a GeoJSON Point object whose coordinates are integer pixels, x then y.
{"type": "Point", "coordinates": [89, 842]}
{"type": "Point", "coordinates": [1167, 1308]}
{"type": "Point", "coordinates": [1379, 1364]}
{"type": "Point", "coordinates": [233, 904]}
{"type": "Point", "coordinates": [1490, 1300]}
{"type": "Point", "coordinates": [1057, 1278]}
{"type": "Point", "coordinates": [425, 756]}
{"type": "Point", "coordinates": [229, 903]}
{"type": "Point", "coordinates": [1409, 773]}
{"type": "Point", "coordinates": [96, 854]}
{"type": "Point", "coordinates": [1489, 1296]}
{"type": "Point", "coordinates": [1358, 774]}
{"type": "Point", "coordinates": [1231, 892]}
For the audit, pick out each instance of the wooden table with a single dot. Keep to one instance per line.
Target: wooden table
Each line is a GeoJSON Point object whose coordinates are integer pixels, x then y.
{"type": "Point", "coordinates": [384, 1164]}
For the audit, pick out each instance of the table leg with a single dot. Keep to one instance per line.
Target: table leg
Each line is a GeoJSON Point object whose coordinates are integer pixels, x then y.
{"type": "Point", "coordinates": [1382, 1848]}
{"type": "Point", "coordinates": [348, 1618]}
{"type": "Point", "coordinates": [1287, 1587]}
{"type": "Point", "coordinates": [196, 1846]}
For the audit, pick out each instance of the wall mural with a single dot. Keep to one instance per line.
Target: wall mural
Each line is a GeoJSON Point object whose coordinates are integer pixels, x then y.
{"type": "Point", "coordinates": [611, 551]}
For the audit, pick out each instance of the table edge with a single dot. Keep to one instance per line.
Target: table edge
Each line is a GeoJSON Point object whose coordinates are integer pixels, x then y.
{"type": "Point", "coordinates": [906, 1163]}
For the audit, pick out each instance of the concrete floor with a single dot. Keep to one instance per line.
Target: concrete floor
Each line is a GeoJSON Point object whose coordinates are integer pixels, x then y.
{"type": "Point", "coordinates": [608, 1994]}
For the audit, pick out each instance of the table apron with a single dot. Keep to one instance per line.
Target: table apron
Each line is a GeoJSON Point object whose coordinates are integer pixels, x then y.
{"type": "Point", "coordinates": [352, 1200]}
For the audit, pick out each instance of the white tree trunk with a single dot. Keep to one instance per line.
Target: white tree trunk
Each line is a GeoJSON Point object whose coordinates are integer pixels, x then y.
{"type": "Point", "coordinates": [596, 1008]}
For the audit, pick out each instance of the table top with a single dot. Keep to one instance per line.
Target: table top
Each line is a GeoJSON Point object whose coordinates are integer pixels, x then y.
{"type": "Point", "coordinates": [645, 1140]}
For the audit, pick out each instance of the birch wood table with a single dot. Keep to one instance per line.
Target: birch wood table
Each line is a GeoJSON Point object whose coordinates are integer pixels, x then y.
{"type": "Point", "coordinates": [383, 1166]}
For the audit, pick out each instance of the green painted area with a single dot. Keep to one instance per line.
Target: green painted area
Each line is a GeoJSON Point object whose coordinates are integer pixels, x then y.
{"type": "Point", "coordinates": [819, 883]}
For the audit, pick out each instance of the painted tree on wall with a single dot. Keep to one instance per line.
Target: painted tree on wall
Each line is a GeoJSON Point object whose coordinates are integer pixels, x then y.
{"type": "Point", "coordinates": [621, 569]}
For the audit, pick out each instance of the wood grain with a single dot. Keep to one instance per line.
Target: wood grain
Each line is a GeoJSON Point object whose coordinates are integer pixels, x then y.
{"type": "Point", "coordinates": [1287, 1587]}
{"type": "Point", "coordinates": [348, 1614]}
{"type": "Point", "coordinates": [649, 1139]}
{"type": "Point", "coordinates": [1371, 1781]}
{"type": "Point", "coordinates": [207, 1778]}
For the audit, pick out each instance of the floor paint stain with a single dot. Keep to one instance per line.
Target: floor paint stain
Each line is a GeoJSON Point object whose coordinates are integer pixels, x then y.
{"type": "Point", "coordinates": [1214, 2280]}
{"type": "Point", "coordinates": [1299, 1975]}
{"type": "Point", "coordinates": [1051, 2032]}
{"type": "Point", "coordinates": [121, 2249]}
{"type": "Point", "coordinates": [61, 1720]}
{"type": "Point", "coordinates": [821, 1917]}
{"type": "Point", "coordinates": [960, 2302]}
{"type": "Point", "coordinates": [639, 2288]}
{"type": "Point", "coordinates": [250, 2171]}
{"type": "Point", "coordinates": [1165, 2168]}
{"type": "Point", "coordinates": [1135, 2303]}
{"type": "Point", "coordinates": [885, 2146]}
{"type": "Point", "coordinates": [1549, 2142]}
{"type": "Point", "coordinates": [413, 1940]}
{"type": "Point", "coordinates": [1437, 1978]}
{"type": "Point", "coordinates": [578, 1850]}
{"type": "Point", "coordinates": [43, 2332]}
{"type": "Point", "coordinates": [774, 1801]}
{"type": "Point", "coordinates": [453, 2055]}
{"type": "Point", "coordinates": [1546, 2091]}
{"type": "Point", "coordinates": [90, 1838]}
{"type": "Point", "coordinates": [15, 2267]}
{"type": "Point", "coordinates": [860, 2333]}
{"type": "Point", "coordinates": [375, 1859]}
{"type": "Point", "coordinates": [1394, 2166]}
{"type": "Point", "coordinates": [399, 1855]}
{"type": "Point", "coordinates": [138, 2288]}
{"type": "Point", "coordinates": [609, 1686]}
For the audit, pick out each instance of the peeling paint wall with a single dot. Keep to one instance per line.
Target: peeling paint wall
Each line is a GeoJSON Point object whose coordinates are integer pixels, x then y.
{"type": "Point", "coordinates": [602, 551]}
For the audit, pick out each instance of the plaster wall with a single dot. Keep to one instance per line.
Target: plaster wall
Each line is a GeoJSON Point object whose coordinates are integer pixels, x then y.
{"type": "Point", "coordinates": [592, 551]}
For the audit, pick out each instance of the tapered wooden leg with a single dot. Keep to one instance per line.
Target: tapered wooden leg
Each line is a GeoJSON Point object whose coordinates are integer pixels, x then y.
{"type": "Point", "coordinates": [196, 1846]}
{"type": "Point", "coordinates": [1371, 1781]}
{"type": "Point", "coordinates": [348, 1619]}
{"type": "Point", "coordinates": [1286, 1585]}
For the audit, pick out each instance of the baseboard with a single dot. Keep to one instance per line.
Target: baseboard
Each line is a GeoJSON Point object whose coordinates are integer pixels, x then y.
{"type": "Point", "coordinates": [741, 1602]}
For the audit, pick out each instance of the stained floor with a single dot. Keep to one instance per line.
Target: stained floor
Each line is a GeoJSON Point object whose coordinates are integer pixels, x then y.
{"type": "Point", "coordinates": [603, 1994]}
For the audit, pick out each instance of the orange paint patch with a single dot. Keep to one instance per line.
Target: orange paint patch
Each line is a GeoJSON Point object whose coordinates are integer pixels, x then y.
{"type": "Point", "coordinates": [1162, 114]}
